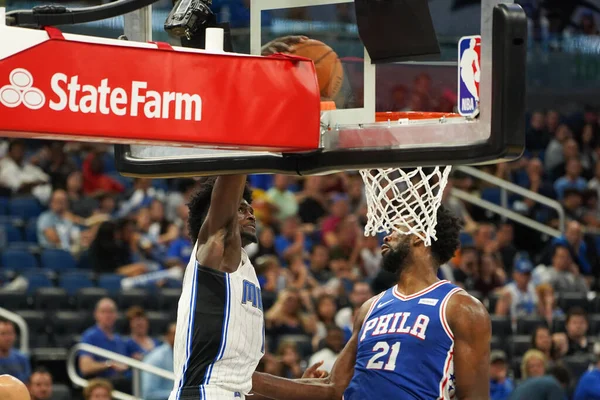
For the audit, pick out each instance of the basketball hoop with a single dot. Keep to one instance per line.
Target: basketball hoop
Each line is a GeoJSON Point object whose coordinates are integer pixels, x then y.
{"type": "Point", "coordinates": [405, 200]}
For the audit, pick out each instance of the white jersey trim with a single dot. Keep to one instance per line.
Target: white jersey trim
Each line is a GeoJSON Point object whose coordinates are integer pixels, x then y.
{"type": "Point", "coordinates": [443, 318]}
{"type": "Point", "coordinates": [190, 329]}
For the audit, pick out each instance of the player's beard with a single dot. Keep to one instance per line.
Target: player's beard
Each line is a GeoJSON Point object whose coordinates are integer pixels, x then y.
{"type": "Point", "coordinates": [248, 238]}
{"type": "Point", "coordinates": [395, 259]}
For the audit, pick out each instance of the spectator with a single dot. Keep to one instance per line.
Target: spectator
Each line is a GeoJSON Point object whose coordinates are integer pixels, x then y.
{"type": "Point", "coordinates": [288, 365]}
{"type": "Point", "coordinates": [537, 137]}
{"type": "Point", "coordinates": [292, 241]}
{"type": "Point", "coordinates": [594, 183]}
{"type": "Point", "coordinates": [98, 389]}
{"type": "Point", "coordinates": [484, 237]}
{"type": "Point", "coordinates": [549, 387]}
{"type": "Point", "coordinates": [564, 275]}
{"type": "Point", "coordinates": [501, 386]}
{"type": "Point", "coordinates": [56, 228]}
{"type": "Point", "coordinates": [180, 249]}
{"type": "Point", "coordinates": [22, 177]}
{"type": "Point", "coordinates": [340, 209]}
{"type": "Point", "coordinates": [518, 298]}
{"type": "Point", "coordinates": [40, 384]}
{"type": "Point", "coordinates": [326, 309]}
{"type": "Point", "coordinates": [270, 274]}
{"type": "Point", "coordinates": [572, 202]}
{"type": "Point", "coordinates": [286, 317]}
{"type": "Point", "coordinates": [312, 203]}
{"type": "Point", "coordinates": [140, 196]}
{"type": "Point", "coordinates": [588, 387]}
{"type": "Point", "coordinates": [56, 164]}
{"type": "Point", "coordinates": [541, 340]}
{"type": "Point", "coordinates": [110, 252]}
{"type": "Point", "coordinates": [79, 204]}
{"type": "Point", "coordinates": [458, 208]}
{"type": "Point", "coordinates": [464, 273]}
{"type": "Point", "coordinates": [370, 257]}
{"type": "Point", "coordinates": [547, 305]}
{"type": "Point", "coordinates": [332, 346]}
{"type": "Point", "coordinates": [491, 275]}
{"type": "Point", "coordinates": [12, 361]}
{"type": "Point", "coordinates": [155, 387]}
{"type": "Point", "coordinates": [283, 198]}
{"type": "Point", "coordinates": [140, 343]}
{"type": "Point", "coordinates": [572, 178]}
{"type": "Point", "coordinates": [577, 329]}
{"type": "Point", "coordinates": [533, 364]}
{"type": "Point", "coordinates": [361, 292]}
{"type": "Point", "coordinates": [554, 155]}
{"type": "Point", "coordinates": [95, 180]}
{"type": "Point", "coordinates": [319, 264]}
{"type": "Point", "coordinates": [570, 151]}
{"type": "Point", "coordinates": [573, 240]}
{"type": "Point", "coordinates": [265, 245]}
{"type": "Point", "coordinates": [103, 335]}
{"type": "Point", "coordinates": [504, 245]}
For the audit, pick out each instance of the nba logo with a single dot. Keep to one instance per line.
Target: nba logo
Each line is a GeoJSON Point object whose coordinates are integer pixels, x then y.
{"type": "Point", "coordinates": [469, 74]}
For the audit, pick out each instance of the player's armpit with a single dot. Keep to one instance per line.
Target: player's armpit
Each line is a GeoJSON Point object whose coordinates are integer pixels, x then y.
{"type": "Point", "coordinates": [224, 204]}
{"type": "Point", "coordinates": [470, 324]}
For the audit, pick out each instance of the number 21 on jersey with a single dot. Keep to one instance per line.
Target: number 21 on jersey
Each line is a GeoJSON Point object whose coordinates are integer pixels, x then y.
{"type": "Point", "coordinates": [382, 349]}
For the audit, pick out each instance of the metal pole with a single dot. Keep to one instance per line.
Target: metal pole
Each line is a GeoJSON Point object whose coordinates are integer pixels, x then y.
{"type": "Point", "coordinates": [138, 25]}
{"type": "Point", "coordinates": [136, 383]}
{"type": "Point", "coordinates": [503, 201]}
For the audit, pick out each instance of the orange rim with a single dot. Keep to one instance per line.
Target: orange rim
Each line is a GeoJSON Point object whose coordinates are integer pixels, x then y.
{"type": "Point", "coordinates": [411, 115]}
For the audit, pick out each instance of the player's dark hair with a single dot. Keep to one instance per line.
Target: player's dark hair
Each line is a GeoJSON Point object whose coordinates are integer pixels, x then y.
{"type": "Point", "coordinates": [200, 203]}
{"type": "Point", "coordinates": [447, 232]}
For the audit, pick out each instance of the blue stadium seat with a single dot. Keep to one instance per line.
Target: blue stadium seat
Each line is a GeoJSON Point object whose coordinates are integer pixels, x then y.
{"type": "Point", "coordinates": [18, 260]}
{"type": "Point", "coordinates": [12, 233]}
{"type": "Point", "coordinates": [492, 195]}
{"type": "Point", "coordinates": [162, 184]}
{"type": "Point", "coordinates": [37, 281]}
{"type": "Point", "coordinates": [465, 239]}
{"type": "Point", "coordinates": [4, 205]}
{"type": "Point", "coordinates": [109, 163]}
{"type": "Point", "coordinates": [72, 283]}
{"type": "Point", "coordinates": [31, 231]}
{"type": "Point", "coordinates": [110, 282]}
{"type": "Point", "coordinates": [25, 207]}
{"type": "Point", "coordinates": [57, 260]}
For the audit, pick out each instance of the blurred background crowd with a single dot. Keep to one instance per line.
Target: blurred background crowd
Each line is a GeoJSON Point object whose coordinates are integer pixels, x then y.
{"type": "Point", "coordinates": [88, 256]}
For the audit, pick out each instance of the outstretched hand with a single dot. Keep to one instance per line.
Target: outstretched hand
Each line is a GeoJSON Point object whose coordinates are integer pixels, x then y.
{"type": "Point", "coordinates": [313, 372]}
{"type": "Point", "coordinates": [282, 45]}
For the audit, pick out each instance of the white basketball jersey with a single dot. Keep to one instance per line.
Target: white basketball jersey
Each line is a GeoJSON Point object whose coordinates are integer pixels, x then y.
{"type": "Point", "coordinates": [220, 332]}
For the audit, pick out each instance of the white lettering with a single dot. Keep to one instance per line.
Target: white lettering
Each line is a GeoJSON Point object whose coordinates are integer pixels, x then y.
{"type": "Point", "coordinates": [118, 97]}
{"type": "Point", "coordinates": [402, 329]}
{"type": "Point", "coordinates": [73, 87]}
{"type": "Point", "coordinates": [468, 104]}
{"type": "Point", "coordinates": [168, 97]}
{"type": "Point", "coordinates": [191, 102]}
{"type": "Point", "coordinates": [420, 326]}
{"type": "Point", "coordinates": [395, 321]}
{"type": "Point", "coordinates": [382, 326]}
{"type": "Point", "coordinates": [136, 98]}
{"type": "Point", "coordinates": [139, 100]}
{"type": "Point", "coordinates": [152, 106]}
{"type": "Point", "coordinates": [368, 326]}
{"type": "Point", "coordinates": [89, 102]}
{"type": "Point", "coordinates": [55, 82]}
{"type": "Point", "coordinates": [103, 92]}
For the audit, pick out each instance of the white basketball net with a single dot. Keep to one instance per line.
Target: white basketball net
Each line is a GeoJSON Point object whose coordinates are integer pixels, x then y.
{"type": "Point", "coordinates": [405, 201]}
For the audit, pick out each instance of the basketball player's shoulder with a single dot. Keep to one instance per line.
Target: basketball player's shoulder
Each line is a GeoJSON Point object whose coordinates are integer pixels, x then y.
{"type": "Point", "coordinates": [466, 314]}
{"type": "Point", "coordinates": [366, 308]}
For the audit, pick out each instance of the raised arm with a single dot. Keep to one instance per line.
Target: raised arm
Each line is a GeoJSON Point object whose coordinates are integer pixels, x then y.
{"type": "Point", "coordinates": [224, 204]}
{"type": "Point", "coordinates": [331, 388]}
{"type": "Point", "coordinates": [471, 327]}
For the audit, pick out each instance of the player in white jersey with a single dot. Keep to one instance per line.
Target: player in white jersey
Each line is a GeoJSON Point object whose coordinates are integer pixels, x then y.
{"type": "Point", "coordinates": [220, 323]}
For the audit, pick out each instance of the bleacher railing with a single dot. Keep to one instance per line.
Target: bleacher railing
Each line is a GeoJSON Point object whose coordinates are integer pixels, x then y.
{"type": "Point", "coordinates": [503, 209]}
{"type": "Point", "coordinates": [23, 328]}
{"type": "Point", "coordinates": [135, 365]}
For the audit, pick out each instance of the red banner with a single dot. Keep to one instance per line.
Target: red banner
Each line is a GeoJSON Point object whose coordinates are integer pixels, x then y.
{"type": "Point", "coordinates": [75, 90]}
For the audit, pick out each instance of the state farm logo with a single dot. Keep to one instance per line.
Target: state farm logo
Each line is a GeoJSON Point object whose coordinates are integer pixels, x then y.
{"type": "Point", "coordinates": [69, 93]}
{"type": "Point", "coordinates": [21, 91]}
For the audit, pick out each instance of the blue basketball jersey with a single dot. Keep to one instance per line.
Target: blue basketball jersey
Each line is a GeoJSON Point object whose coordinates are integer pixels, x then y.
{"type": "Point", "coordinates": [405, 347]}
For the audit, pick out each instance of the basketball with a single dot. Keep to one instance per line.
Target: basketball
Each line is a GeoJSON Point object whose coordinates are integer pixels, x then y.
{"type": "Point", "coordinates": [329, 67]}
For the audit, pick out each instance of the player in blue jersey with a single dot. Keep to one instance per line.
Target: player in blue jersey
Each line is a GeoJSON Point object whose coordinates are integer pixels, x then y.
{"type": "Point", "coordinates": [424, 338]}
